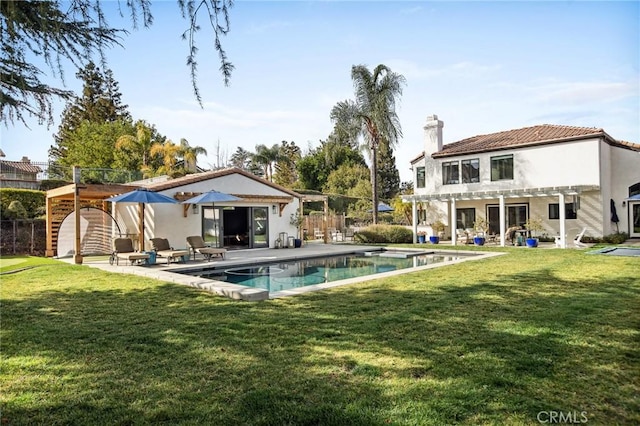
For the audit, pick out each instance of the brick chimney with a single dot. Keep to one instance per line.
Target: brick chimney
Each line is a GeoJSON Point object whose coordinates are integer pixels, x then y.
{"type": "Point", "coordinates": [432, 135]}
{"type": "Point", "coordinates": [25, 159]}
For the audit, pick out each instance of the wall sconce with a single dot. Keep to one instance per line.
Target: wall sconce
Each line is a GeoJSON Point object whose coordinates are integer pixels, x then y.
{"type": "Point", "coordinates": [194, 208]}
{"type": "Point", "coordinates": [274, 209]}
{"type": "Point", "coordinates": [624, 203]}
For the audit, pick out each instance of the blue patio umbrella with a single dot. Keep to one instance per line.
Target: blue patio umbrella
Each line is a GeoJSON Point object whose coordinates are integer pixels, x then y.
{"type": "Point", "coordinates": [142, 196]}
{"type": "Point", "coordinates": [383, 208]}
{"type": "Point", "coordinates": [212, 197]}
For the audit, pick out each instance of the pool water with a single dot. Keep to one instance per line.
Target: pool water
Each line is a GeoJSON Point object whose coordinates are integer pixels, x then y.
{"type": "Point", "coordinates": [305, 272]}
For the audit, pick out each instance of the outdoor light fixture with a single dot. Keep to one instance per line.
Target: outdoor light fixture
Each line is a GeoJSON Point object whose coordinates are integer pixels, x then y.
{"type": "Point", "coordinates": [274, 209]}
{"type": "Point", "coordinates": [194, 208]}
{"type": "Point", "coordinates": [624, 203]}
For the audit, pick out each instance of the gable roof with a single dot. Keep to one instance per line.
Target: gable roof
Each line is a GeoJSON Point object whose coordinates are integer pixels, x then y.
{"type": "Point", "coordinates": [199, 177]}
{"type": "Point", "coordinates": [23, 166]}
{"type": "Point", "coordinates": [527, 136]}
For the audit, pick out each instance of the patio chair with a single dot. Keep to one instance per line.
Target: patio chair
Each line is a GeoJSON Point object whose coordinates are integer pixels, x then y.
{"type": "Point", "coordinates": [577, 241]}
{"type": "Point", "coordinates": [462, 236]}
{"type": "Point", "coordinates": [163, 249]}
{"type": "Point", "coordinates": [123, 249]}
{"type": "Point", "coordinates": [318, 234]}
{"type": "Point", "coordinates": [349, 234]}
{"type": "Point", "coordinates": [197, 245]}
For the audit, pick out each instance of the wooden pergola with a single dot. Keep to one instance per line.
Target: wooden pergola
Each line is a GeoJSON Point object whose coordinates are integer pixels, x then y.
{"type": "Point", "coordinates": [310, 198]}
{"type": "Point", "coordinates": [71, 198]}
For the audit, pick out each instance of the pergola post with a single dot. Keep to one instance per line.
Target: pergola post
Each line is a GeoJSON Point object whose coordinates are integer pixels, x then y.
{"type": "Point", "coordinates": [563, 236]}
{"type": "Point", "coordinates": [452, 220]}
{"type": "Point", "coordinates": [503, 222]}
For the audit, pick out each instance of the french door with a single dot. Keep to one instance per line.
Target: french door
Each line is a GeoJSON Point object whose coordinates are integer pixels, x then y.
{"type": "Point", "coordinates": [515, 215]}
{"type": "Point", "coordinates": [634, 211]}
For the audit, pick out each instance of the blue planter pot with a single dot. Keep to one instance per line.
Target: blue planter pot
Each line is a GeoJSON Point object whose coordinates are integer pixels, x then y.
{"type": "Point", "coordinates": [479, 241]}
{"type": "Point", "coordinates": [434, 239]}
{"type": "Point", "coordinates": [532, 242]}
{"type": "Point", "coordinates": [421, 239]}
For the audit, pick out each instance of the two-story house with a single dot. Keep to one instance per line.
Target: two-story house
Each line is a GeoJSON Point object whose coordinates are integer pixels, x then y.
{"type": "Point", "coordinates": [568, 177]}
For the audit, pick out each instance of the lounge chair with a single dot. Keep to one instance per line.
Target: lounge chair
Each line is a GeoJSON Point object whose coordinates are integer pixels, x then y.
{"type": "Point", "coordinates": [197, 245]}
{"type": "Point", "coordinates": [577, 241]}
{"type": "Point", "coordinates": [318, 234]}
{"type": "Point", "coordinates": [462, 236]}
{"type": "Point", "coordinates": [163, 249]}
{"type": "Point", "coordinates": [123, 249]}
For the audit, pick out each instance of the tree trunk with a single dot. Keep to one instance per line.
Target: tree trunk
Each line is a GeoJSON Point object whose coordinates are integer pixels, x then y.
{"type": "Point", "coordinates": [374, 182]}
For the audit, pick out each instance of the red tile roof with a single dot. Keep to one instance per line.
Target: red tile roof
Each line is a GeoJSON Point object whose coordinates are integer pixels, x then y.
{"type": "Point", "coordinates": [526, 136]}
{"type": "Point", "coordinates": [22, 166]}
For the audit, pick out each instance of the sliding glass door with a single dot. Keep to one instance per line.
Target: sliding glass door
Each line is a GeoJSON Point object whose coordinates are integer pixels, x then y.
{"type": "Point", "coordinates": [516, 215]}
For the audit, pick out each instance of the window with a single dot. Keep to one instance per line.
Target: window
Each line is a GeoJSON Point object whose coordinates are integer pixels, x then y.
{"type": "Point", "coordinates": [420, 183]}
{"type": "Point", "coordinates": [450, 173]}
{"type": "Point", "coordinates": [569, 210]}
{"type": "Point", "coordinates": [471, 171]}
{"type": "Point", "coordinates": [465, 218]}
{"type": "Point", "coordinates": [502, 167]}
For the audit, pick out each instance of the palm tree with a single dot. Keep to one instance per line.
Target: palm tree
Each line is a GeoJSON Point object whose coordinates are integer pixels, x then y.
{"type": "Point", "coordinates": [189, 155]}
{"type": "Point", "coordinates": [140, 144]}
{"type": "Point", "coordinates": [169, 152]}
{"type": "Point", "coordinates": [372, 114]}
{"type": "Point", "coordinates": [240, 158]}
{"type": "Point", "coordinates": [265, 157]}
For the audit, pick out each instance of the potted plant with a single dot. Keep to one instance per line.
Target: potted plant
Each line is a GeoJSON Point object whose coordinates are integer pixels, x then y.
{"type": "Point", "coordinates": [438, 228]}
{"type": "Point", "coordinates": [422, 237]}
{"type": "Point", "coordinates": [533, 225]}
{"type": "Point", "coordinates": [296, 220]}
{"type": "Point", "coordinates": [481, 226]}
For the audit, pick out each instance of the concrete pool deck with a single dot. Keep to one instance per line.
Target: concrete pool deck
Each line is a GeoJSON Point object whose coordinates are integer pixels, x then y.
{"type": "Point", "coordinates": [164, 272]}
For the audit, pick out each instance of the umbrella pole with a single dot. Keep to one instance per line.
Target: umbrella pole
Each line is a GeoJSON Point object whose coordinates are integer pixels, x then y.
{"type": "Point", "coordinates": [141, 220]}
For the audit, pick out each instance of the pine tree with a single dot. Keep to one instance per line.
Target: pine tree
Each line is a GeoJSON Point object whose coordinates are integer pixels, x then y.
{"type": "Point", "coordinates": [388, 175]}
{"type": "Point", "coordinates": [101, 102]}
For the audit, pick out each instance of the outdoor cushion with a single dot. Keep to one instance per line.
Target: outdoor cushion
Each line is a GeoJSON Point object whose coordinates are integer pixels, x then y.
{"type": "Point", "coordinates": [197, 244]}
{"type": "Point", "coordinates": [123, 249]}
{"type": "Point", "coordinates": [162, 248]}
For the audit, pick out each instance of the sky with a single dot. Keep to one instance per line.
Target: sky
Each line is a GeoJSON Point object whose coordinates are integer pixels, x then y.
{"type": "Point", "coordinates": [482, 67]}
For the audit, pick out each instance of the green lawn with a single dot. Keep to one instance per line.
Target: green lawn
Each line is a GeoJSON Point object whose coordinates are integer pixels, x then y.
{"type": "Point", "coordinates": [495, 341]}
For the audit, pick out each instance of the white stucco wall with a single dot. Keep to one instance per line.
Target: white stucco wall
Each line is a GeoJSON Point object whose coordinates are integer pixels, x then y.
{"type": "Point", "coordinates": [619, 173]}
{"type": "Point", "coordinates": [168, 220]}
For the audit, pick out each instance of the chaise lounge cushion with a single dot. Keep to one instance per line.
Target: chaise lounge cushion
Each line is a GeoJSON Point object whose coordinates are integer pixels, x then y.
{"type": "Point", "coordinates": [123, 248]}
{"type": "Point", "coordinates": [162, 248]}
{"type": "Point", "coordinates": [197, 245]}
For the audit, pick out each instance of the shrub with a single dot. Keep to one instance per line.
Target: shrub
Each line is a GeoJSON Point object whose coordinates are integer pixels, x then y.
{"type": "Point", "coordinates": [16, 210]}
{"type": "Point", "coordinates": [376, 234]}
{"type": "Point", "coordinates": [616, 238]}
{"type": "Point", "coordinates": [33, 201]}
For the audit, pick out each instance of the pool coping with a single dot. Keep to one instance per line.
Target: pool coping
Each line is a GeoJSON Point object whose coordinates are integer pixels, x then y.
{"type": "Point", "coordinates": [169, 273]}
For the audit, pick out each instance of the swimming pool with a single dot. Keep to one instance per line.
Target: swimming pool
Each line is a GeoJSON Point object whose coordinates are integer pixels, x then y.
{"type": "Point", "coordinates": [286, 275]}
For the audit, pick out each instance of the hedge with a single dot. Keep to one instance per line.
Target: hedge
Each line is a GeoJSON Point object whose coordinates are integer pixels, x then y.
{"type": "Point", "coordinates": [33, 201]}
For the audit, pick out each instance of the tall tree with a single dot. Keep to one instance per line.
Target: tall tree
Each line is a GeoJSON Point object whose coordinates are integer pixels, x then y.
{"type": "Point", "coordinates": [101, 102]}
{"type": "Point", "coordinates": [168, 152]}
{"type": "Point", "coordinates": [388, 175]}
{"type": "Point", "coordinates": [133, 151]}
{"type": "Point", "coordinates": [240, 159]}
{"type": "Point", "coordinates": [77, 31]}
{"type": "Point", "coordinates": [266, 157]}
{"type": "Point", "coordinates": [288, 157]}
{"type": "Point", "coordinates": [373, 113]}
{"type": "Point", "coordinates": [189, 155]}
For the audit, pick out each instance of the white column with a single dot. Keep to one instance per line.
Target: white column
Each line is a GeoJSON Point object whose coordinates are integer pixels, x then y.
{"type": "Point", "coordinates": [563, 232]}
{"type": "Point", "coordinates": [503, 222]}
{"type": "Point", "coordinates": [414, 219]}
{"type": "Point", "coordinates": [452, 221]}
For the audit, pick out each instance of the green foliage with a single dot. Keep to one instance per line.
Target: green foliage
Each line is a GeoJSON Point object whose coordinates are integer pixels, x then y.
{"type": "Point", "coordinates": [76, 32]}
{"type": "Point", "coordinates": [32, 201]}
{"type": "Point", "coordinates": [314, 169]}
{"type": "Point", "coordinates": [16, 210]}
{"type": "Point", "coordinates": [372, 115]}
{"type": "Point", "coordinates": [615, 238]}
{"type": "Point", "coordinates": [388, 175]}
{"type": "Point", "coordinates": [288, 156]}
{"type": "Point", "coordinates": [377, 234]}
{"type": "Point", "coordinates": [46, 185]}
